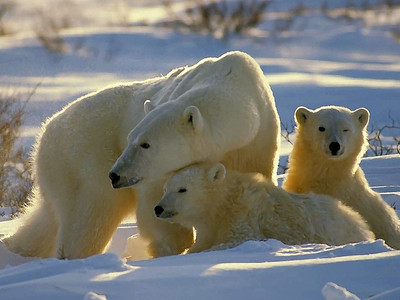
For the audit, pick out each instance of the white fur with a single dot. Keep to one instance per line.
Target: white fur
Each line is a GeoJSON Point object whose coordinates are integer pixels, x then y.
{"type": "Point", "coordinates": [313, 168]}
{"type": "Point", "coordinates": [75, 210]}
{"type": "Point", "coordinates": [227, 208]}
{"type": "Point", "coordinates": [221, 109]}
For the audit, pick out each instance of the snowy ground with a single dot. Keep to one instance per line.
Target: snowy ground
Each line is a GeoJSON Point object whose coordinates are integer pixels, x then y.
{"type": "Point", "coordinates": [254, 270]}
{"type": "Point", "coordinates": [322, 62]}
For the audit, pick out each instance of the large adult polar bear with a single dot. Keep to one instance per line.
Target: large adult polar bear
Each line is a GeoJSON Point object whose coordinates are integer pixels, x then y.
{"type": "Point", "coordinates": [219, 110]}
{"type": "Point", "coordinates": [75, 209]}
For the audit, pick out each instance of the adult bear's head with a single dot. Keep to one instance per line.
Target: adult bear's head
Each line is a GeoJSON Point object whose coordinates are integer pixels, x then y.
{"type": "Point", "coordinates": [170, 137]}
{"type": "Point", "coordinates": [204, 114]}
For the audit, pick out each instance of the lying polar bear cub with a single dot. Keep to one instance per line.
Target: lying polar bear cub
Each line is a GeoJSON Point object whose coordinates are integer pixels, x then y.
{"type": "Point", "coordinates": [227, 208]}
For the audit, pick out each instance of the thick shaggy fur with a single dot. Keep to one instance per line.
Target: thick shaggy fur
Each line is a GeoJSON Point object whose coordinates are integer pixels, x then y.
{"type": "Point", "coordinates": [227, 208]}
{"type": "Point", "coordinates": [314, 168]}
{"type": "Point", "coordinates": [74, 208]}
{"type": "Point", "coordinates": [193, 115]}
{"type": "Point", "coordinates": [218, 110]}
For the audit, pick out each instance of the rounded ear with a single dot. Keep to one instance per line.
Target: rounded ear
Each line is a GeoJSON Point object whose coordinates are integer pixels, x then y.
{"type": "Point", "coordinates": [148, 106]}
{"type": "Point", "coordinates": [217, 173]}
{"type": "Point", "coordinates": [193, 116]}
{"type": "Point", "coordinates": [362, 115]}
{"type": "Point", "coordinates": [302, 114]}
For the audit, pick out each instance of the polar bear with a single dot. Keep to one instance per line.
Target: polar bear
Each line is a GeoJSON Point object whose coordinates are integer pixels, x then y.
{"type": "Point", "coordinates": [325, 159]}
{"type": "Point", "coordinates": [227, 208]}
{"type": "Point", "coordinates": [222, 110]}
{"type": "Point", "coordinates": [75, 208]}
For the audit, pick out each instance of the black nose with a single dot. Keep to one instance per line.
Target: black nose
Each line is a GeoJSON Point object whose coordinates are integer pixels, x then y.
{"type": "Point", "coordinates": [334, 147]}
{"type": "Point", "coordinates": [114, 178]}
{"type": "Point", "coordinates": [158, 210]}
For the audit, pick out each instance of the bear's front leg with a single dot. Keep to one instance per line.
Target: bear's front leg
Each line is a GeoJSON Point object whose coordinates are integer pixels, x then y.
{"type": "Point", "coordinates": [164, 238]}
{"type": "Point", "coordinates": [87, 227]}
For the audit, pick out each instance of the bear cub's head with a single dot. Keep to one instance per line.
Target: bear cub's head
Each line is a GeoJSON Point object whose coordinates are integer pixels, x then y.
{"type": "Point", "coordinates": [189, 193]}
{"type": "Point", "coordinates": [333, 131]}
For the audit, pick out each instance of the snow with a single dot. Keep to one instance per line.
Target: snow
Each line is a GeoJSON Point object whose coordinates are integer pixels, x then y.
{"type": "Point", "coordinates": [258, 270]}
{"type": "Point", "coordinates": [321, 62]}
{"type": "Point", "coordinates": [332, 291]}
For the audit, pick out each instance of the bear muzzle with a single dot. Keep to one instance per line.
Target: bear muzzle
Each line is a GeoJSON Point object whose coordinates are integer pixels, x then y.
{"type": "Point", "coordinates": [335, 149]}
{"type": "Point", "coordinates": [118, 181]}
{"type": "Point", "coordinates": [158, 210]}
{"type": "Point", "coordinates": [162, 213]}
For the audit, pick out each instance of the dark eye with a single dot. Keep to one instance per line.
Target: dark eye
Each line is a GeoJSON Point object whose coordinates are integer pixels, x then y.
{"type": "Point", "coordinates": [345, 130]}
{"type": "Point", "coordinates": [322, 129]}
{"type": "Point", "coordinates": [182, 190]}
{"type": "Point", "coordinates": [145, 145]}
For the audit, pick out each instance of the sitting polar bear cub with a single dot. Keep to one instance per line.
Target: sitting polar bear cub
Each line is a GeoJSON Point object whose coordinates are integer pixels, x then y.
{"type": "Point", "coordinates": [228, 207]}
{"type": "Point", "coordinates": [325, 160]}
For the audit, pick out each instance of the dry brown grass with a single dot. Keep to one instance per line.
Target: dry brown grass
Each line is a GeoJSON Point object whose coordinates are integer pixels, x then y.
{"type": "Point", "coordinates": [384, 140]}
{"type": "Point", "coordinates": [6, 8]}
{"type": "Point", "coordinates": [217, 18]}
{"type": "Point", "coordinates": [15, 177]}
{"type": "Point", "coordinates": [48, 32]}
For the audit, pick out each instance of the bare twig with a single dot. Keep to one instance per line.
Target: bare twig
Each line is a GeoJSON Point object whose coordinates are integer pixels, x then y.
{"type": "Point", "coordinates": [15, 177]}
{"type": "Point", "coordinates": [287, 131]}
{"type": "Point", "coordinates": [377, 146]}
{"type": "Point", "coordinates": [378, 143]}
